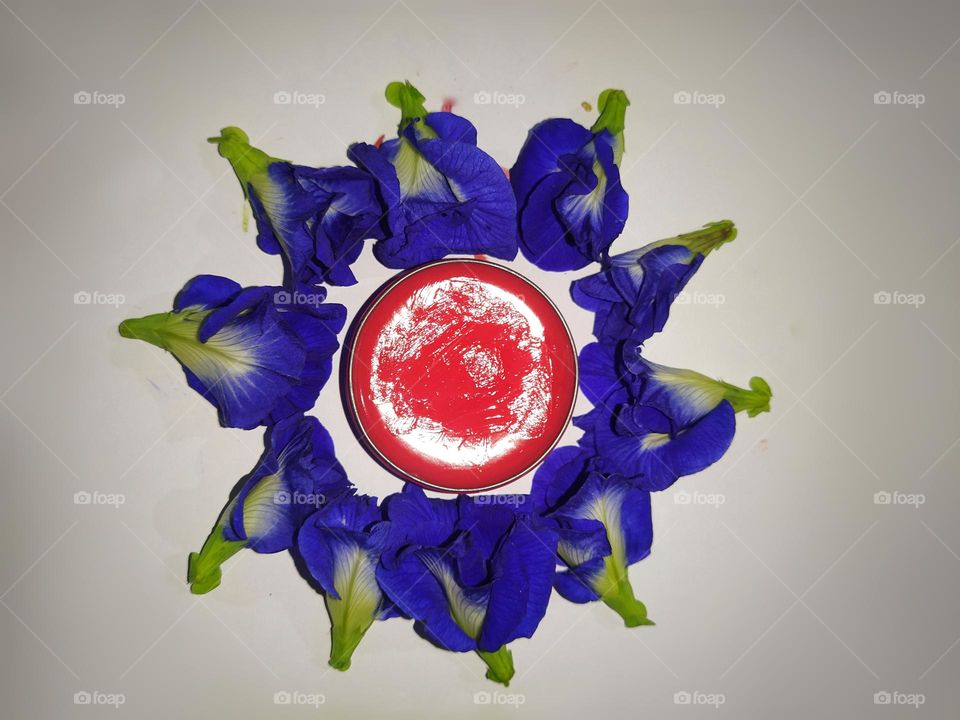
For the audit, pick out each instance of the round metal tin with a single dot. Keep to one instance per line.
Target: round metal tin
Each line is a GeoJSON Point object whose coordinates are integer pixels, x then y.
{"type": "Point", "coordinates": [461, 376]}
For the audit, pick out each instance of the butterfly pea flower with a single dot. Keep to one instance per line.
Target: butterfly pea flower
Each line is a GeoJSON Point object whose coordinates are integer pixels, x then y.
{"type": "Point", "coordinates": [655, 424]}
{"type": "Point", "coordinates": [258, 354]}
{"type": "Point", "coordinates": [566, 180]}
{"type": "Point", "coordinates": [316, 219]}
{"type": "Point", "coordinates": [604, 525]}
{"type": "Point", "coordinates": [443, 195]}
{"type": "Point", "coordinates": [297, 473]}
{"type": "Point", "coordinates": [340, 545]}
{"type": "Point", "coordinates": [632, 293]}
{"type": "Point", "coordinates": [474, 576]}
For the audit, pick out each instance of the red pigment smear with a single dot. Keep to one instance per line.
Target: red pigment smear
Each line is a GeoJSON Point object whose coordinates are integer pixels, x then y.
{"type": "Point", "coordinates": [462, 376]}
{"type": "Point", "coordinates": [461, 362]}
{"type": "Point", "coordinates": [378, 142]}
{"type": "Point", "coordinates": [448, 104]}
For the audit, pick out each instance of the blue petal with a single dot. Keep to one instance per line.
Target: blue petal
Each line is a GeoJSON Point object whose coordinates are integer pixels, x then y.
{"type": "Point", "coordinates": [278, 198]}
{"type": "Point", "coordinates": [594, 292]}
{"type": "Point", "coordinates": [570, 217]}
{"type": "Point", "coordinates": [540, 155]}
{"type": "Point", "coordinates": [651, 282]}
{"type": "Point", "coordinates": [582, 546]}
{"type": "Point", "coordinates": [205, 291]}
{"type": "Point", "coordinates": [347, 211]}
{"type": "Point", "coordinates": [338, 545]}
{"type": "Point", "coordinates": [598, 372]}
{"type": "Point", "coordinates": [683, 395]}
{"type": "Point", "coordinates": [316, 328]}
{"type": "Point", "coordinates": [246, 367]}
{"type": "Point", "coordinates": [523, 571]}
{"type": "Point", "coordinates": [452, 128]}
{"type": "Point", "coordinates": [544, 239]}
{"type": "Point", "coordinates": [576, 584]}
{"type": "Point", "coordinates": [559, 473]}
{"type": "Point", "coordinates": [297, 473]}
{"type": "Point", "coordinates": [418, 520]}
{"type": "Point", "coordinates": [658, 465]}
{"type": "Point", "coordinates": [474, 211]}
{"type": "Point", "coordinates": [419, 594]}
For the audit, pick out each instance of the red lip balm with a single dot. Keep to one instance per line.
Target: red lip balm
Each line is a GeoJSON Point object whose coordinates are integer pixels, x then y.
{"type": "Point", "coordinates": [461, 376]}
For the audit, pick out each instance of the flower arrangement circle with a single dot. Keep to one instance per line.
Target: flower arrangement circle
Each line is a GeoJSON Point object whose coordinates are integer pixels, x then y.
{"type": "Point", "coordinates": [472, 573]}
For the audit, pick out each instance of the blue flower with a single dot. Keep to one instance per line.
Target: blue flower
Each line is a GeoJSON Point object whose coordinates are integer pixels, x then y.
{"type": "Point", "coordinates": [340, 545]}
{"type": "Point", "coordinates": [254, 354]}
{"type": "Point", "coordinates": [474, 576]}
{"type": "Point", "coordinates": [655, 424]}
{"type": "Point", "coordinates": [632, 294]}
{"type": "Point", "coordinates": [443, 195]}
{"type": "Point", "coordinates": [604, 526]}
{"type": "Point", "coordinates": [567, 183]}
{"type": "Point", "coordinates": [297, 473]}
{"type": "Point", "coordinates": [317, 219]}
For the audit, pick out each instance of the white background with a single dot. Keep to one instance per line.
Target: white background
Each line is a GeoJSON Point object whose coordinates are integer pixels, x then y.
{"type": "Point", "coordinates": [798, 596]}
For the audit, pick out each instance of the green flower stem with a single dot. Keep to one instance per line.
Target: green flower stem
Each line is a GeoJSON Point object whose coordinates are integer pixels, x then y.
{"type": "Point", "coordinates": [408, 99]}
{"type": "Point", "coordinates": [615, 590]}
{"type": "Point", "coordinates": [149, 329]}
{"type": "Point", "coordinates": [706, 239]}
{"type": "Point", "coordinates": [168, 330]}
{"type": "Point", "coordinates": [203, 568]}
{"type": "Point", "coordinates": [248, 162]}
{"type": "Point", "coordinates": [346, 631]}
{"type": "Point", "coordinates": [612, 106]}
{"type": "Point", "coordinates": [499, 665]}
{"type": "Point", "coordinates": [753, 401]}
